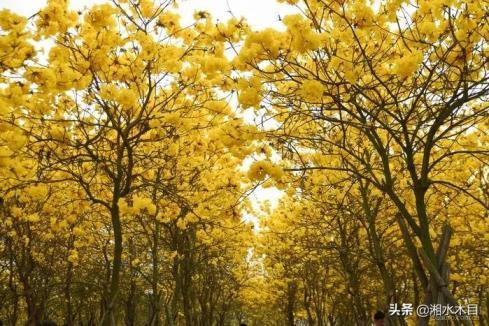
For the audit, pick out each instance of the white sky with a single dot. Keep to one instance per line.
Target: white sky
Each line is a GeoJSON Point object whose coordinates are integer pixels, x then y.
{"type": "Point", "coordinates": [259, 14]}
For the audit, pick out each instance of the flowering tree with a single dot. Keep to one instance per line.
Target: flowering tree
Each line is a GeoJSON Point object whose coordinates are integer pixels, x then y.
{"type": "Point", "coordinates": [393, 95]}
{"type": "Point", "coordinates": [126, 161]}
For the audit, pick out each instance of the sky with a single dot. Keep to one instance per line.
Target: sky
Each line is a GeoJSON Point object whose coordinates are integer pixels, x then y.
{"type": "Point", "coordinates": [259, 14]}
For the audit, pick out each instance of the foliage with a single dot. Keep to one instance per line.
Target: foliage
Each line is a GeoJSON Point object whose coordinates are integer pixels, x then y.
{"type": "Point", "coordinates": [126, 163]}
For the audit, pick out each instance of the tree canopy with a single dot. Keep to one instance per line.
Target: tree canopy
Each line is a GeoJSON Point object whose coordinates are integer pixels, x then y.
{"type": "Point", "coordinates": [128, 157]}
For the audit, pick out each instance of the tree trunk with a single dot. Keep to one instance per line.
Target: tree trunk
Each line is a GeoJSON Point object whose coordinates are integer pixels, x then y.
{"type": "Point", "coordinates": [111, 302]}
{"type": "Point", "coordinates": [69, 320]}
{"type": "Point", "coordinates": [291, 296]}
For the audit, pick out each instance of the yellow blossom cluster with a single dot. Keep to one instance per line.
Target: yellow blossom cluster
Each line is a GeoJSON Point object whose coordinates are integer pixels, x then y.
{"type": "Point", "coordinates": [311, 91]}
{"type": "Point", "coordinates": [14, 45]}
{"type": "Point", "coordinates": [139, 205]}
{"type": "Point", "coordinates": [249, 92]}
{"type": "Point", "coordinates": [303, 37]}
{"type": "Point", "coordinates": [260, 169]}
{"type": "Point", "coordinates": [55, 18]}
{"type": "Point", "coordinates": [126, 97]}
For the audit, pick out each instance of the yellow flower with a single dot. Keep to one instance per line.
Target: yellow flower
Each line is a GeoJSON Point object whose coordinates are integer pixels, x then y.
{"type": "Point", "coordinates": [170, 21]}
{"type": "Point", "coordinates": [249, 92]}
{"type": "Point", "coordinates": [406, 65]}
{"type": "Point", "coordinates": [100, 16]}
{"type": "Point", "coordinates": [78, 231]}
{"type": "Point", "coordinates": [33, 218]}
{"type": "Point", "coordinates": [182, 224]}
{"type": "Point", "coordinates": [15, 140]}
{"type": "Point", "coordinates": [260, 169]}
{"type": "Point", "coordinates": [303, 37]}
{"type": "Point", "coordinates": [37, 192]}
{"type": "Point", "coordinates": [143, 203]}
{"type": "Point", "coordinates": [311, 91]}
{"type": "Point", "coordinates": [55, 18]}
{"type": "Point", "coordinates": [265, 44]}
{"type": "Point", "coordinates": [73, 257]}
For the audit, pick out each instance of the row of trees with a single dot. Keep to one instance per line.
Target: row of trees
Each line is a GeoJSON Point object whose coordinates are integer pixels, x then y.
{"type": "Point", "coordinates": [380, 113]}
{"type": "Point", "coordinates": [120, 193]}
{"type": "Point", "coordinates": [124, 164]}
